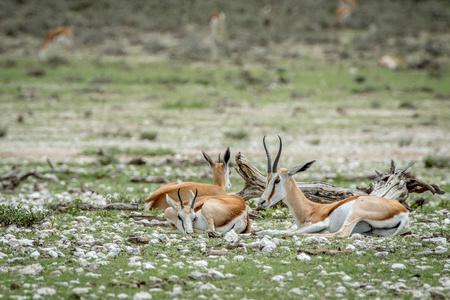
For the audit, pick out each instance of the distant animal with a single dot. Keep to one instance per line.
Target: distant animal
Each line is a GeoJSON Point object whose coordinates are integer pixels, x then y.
{"type": "Point", "coordinates": [391, 62]}
{"type": "Point", "coordinates": [220, 213]}
{"type": "Point", "coordinates": [367, 215]}
{"type": "Point", "coordinates": [217, 26]}
{"type": "Point", "coordinates": [62, 34]}
{"type": "Point", "coordinates": [221, 178]}
{"type": "Point", "coordinates": [344, 10]}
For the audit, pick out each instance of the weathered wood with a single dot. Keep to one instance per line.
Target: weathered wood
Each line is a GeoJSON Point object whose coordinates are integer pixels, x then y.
{"type": "Point", "coordinates": [393, 185]}
{"type": "Point", "coordinates": [63, 207]}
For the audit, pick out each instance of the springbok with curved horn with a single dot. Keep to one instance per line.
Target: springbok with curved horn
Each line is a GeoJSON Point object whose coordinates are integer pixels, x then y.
{"type": "Point", "coordinates": [368, 215]}
{"type": "Point", "coordinates": [213, 213]}
{"type": "Point", "coordinates": [221, 179]}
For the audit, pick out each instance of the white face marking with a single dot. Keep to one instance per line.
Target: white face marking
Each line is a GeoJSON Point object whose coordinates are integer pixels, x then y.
{"type": "Point", "coordinates": [274, 192]}
{"type": "Point", "coordinates": [185, 221]}
{"type": "Point", "coordinates": [227, 174]}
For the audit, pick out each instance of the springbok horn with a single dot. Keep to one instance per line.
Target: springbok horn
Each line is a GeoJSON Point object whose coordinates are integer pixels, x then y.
{"type": "Point", "coordinates": [179, 197]}
{"type": "Point", "coordinates": [219, 158]}
{"type": "Point", "coordinates": [275, 163]}
{"type": "Point", "coordinates": [269, 161]}
{"type": "Point", "coordinates": [193, 200]}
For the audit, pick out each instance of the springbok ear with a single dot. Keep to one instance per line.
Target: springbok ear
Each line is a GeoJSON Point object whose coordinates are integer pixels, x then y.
{"type": "Point", "coordinates": [226, 157]}
{"type": "Point", "coordinates": [171, 202]}
{"type": "Point", "coordinates": [208, 159]}
{"type": "Point", "coordinates": [300, 168]}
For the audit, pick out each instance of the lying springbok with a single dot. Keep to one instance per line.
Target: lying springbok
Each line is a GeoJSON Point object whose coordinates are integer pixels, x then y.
{"type": "Point", "coordinates": [368, 215]}
{"type": "Point", "coordinates": [213, 213]}
{"type": "Point", "coordinates": [221, 179]}
{"type": "Point", "coordinates": [391, 62]}
{"type": "Point", "coordinates": [56, 35]}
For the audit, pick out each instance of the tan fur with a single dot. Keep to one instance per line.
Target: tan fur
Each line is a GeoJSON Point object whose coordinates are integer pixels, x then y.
{"type": "Point", "coordinates": [219, 175]}
{"type": "Point", "coordinates": [158, 198]}
{"type": "Point", "coordinates": [391, 62]}
{"type": "Point", "coordinates": [344, 10]}
{"type": "Point", "coordinates": [307, 211]}
{"type": "Point", "coordinates": [231, 204]}
{"type": "Point", "coordinates": [52, 34]}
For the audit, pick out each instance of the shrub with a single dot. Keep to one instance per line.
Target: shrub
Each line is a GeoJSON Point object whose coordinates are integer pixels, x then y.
{"type": "Point", "coordinates": [439, 162]}
{"type": "Point", "coordinates": [21, 217]}
{"type": "Point", "coordinates": [3, 131]}
{"type": "Point", "coordinates": [237, 135]}
{"type": "Point", "coordinates": [148, 135]}
{"type": "Point", "coordinates": [154, 45]}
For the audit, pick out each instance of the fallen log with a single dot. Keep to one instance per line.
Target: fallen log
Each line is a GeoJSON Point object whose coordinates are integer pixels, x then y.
{"type": "Point", "coordinates": [393, 184]}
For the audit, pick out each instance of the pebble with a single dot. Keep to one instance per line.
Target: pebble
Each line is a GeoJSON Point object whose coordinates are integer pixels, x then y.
{"type": "Point", "coordinates": [303, 257]}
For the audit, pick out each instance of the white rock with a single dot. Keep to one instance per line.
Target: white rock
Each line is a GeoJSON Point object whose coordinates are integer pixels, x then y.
{"type": "Point", "coordinates": [80, 291]}
{"type": "Point", "coordinates": [350, 248]}
{"type": "Point", "coordinates": [131, 250]}
{"type": "Point", "coordinates": [147, 266]}
{"type": "Point", "coordinates": [207, 287]}
{"type": "Point", "coordinates": [34, 269]}
{"type": "Point", "coordinates": [341, 289]}
{"type": "Point", "coordinates": [46, 291]}
{"type": "Point", "coordinates": [83, 219]}
{"type": "Point", "coordinates": [297, 291]}
{"type": "Point", "coordinates": [142, 296]}
{"type": "Point", "coordinates": [113, 252]}
{"type": "Point", "coordinates": [346, 278]}
{"type": "Point", "coordinates": [200, 263]}
{"type": "Point", "coordinates": [35, 255]}
{"type": "Point", "coordinates": [216, 274]}
{"type": "Point", "coordinates": [238, 258]}
{"type": "Point", "coordinates": [398, 266]}
{"type": "Point", "coordinates": [382, 254]}
{"type": "Point", "coordinates": [177, 291]}
{"type": "Point", "coordinates": [278, 278]}
{"type": "Point", "coordinates": [53, 254]}
{"type": "Point", "coordinates": [303, 257]}
{"type": "Point", "coordinates": [320, 240]}
{"type": "Point", "coordinates": [231, 236]}
{"type": "Point", "coordinates": [122, 296]}
{"type": "Point", "coordinates": [417, 295]}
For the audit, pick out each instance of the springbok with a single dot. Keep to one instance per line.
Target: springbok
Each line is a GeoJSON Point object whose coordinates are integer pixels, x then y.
{"type": "Point", "coordinates": [344, 10]}
{"type": "Point", "coordinates": [391, 62]}
{"type": "Point", "coordinates": [217, 26]}
{"type": "Point", "coordinates": [368, 215]}
{"type": "Point", "coordinates": [59, 34]}
{"type": "Point", "coordinates": [221, 179]}
{"type": "Point", "coordinates": [213, 213]}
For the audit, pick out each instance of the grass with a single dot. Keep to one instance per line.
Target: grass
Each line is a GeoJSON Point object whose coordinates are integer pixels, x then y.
{"type": "Point", "coordinates": [170, 94]}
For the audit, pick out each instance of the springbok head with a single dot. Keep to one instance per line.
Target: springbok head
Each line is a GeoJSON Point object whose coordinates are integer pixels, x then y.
{"type": "Point", "coordinates": [185, 214]}
{"type": "Point", "coordinates": [220, 169]}
{"type": "Point", "coordinates": [277, 178]}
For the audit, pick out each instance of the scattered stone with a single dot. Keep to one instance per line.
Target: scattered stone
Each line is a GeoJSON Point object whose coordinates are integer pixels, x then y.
{"type": "Point", "coordinates": [278, 278]}
{"type": "Point", "coordinates": [397, 266]}
{"type": "Point", "coordinates": [46, 291]}
{"type": "Point", "coordinates": [207, 287]}
{"type": "Point", "coordinates": [33, 270]}
{"type": "Point", "coordinates": [200, 263]}
{"type": "Point", "coordinates": [303, 257]}
{"type": "Point", "coordinates": [238, 258]}
{"type": "Point", "coordinates": [79, 291]}
{"type": "Point", "coordinates": [231, 236]}
{"type": "Point", "coordinates": [142, 296]}
{"type": "Point", "coordinates": [319, 240]}
{"type": "Point", "coordinates": [200, 276]}
{"type": "Point", "coordinates": [296, 291]}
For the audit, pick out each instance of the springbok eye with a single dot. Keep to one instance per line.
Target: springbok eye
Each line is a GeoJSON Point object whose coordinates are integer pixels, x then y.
{"type": "Point", "coordinates": [195, 219]}
{"type": "Point", "coordinates": [179, 218]}
{"type": "Point", "coordinates": [277, 180]}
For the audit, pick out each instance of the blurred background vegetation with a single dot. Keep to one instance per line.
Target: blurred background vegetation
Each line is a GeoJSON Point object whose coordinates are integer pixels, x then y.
{"type": "Point", "coordinates": [395, 27]}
